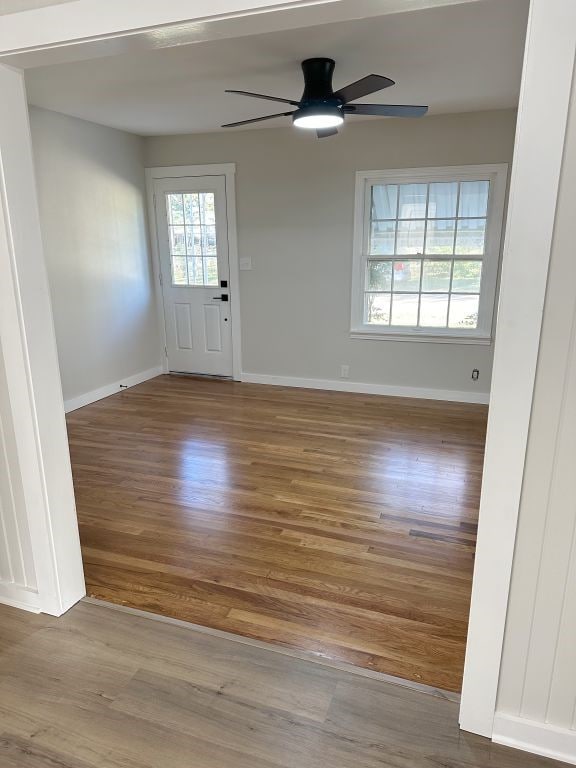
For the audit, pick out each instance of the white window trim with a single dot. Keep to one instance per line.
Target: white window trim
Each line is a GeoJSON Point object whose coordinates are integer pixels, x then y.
{"type": "Point", "coordinates": [497, 174]}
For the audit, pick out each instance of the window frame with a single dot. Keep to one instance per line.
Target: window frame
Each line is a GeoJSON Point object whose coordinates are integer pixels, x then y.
{"type": "Point", "coordinates": [497, 175]}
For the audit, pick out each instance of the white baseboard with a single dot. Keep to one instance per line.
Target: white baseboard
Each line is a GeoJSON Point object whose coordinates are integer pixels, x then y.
{"type": "Point", "coordinates": [343, 385]}
{"type": "Point", "coordinates": [111, 389]}
{"type": "Point", "coordinates": [539, 738]}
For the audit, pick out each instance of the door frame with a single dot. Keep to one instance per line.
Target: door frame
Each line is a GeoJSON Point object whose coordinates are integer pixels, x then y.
{"type": "Point", "coordinates": [228, 171]}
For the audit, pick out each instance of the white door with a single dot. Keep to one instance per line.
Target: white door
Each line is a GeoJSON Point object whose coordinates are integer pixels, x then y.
{"type": "Point", "coordinates": [191, 222]}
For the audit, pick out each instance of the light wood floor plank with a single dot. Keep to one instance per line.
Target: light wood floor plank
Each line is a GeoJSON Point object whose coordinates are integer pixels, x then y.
{"type": "Point", "coordinates": [103, 688]}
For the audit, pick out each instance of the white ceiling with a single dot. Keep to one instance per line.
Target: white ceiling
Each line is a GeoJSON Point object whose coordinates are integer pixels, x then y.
{"type": "Point", "coordinates": [456, 58]}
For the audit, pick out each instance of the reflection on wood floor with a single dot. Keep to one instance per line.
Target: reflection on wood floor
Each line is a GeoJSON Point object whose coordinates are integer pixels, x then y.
{"type": "Point", "coordinates": [334, 523]}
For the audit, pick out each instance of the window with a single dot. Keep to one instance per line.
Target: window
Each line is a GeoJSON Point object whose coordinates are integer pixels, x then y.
{"type": "Point", "coordinates": [192, 238]}
{"type": "Point", "coordinates": [427, 244]}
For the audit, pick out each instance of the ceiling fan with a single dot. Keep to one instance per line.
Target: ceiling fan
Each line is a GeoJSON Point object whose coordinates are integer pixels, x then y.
{"type": "Point", "coordinates": [322, 108]}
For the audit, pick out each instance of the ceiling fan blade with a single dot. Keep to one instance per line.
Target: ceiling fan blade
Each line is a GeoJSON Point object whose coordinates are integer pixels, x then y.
{"type": "Point", "coordinates": [256, 119]}
{"type": "Point", "coordinates": [385, 110]}
{"type": "Point", "coordinates": [268, 98]}
{"type": "Point", "coordinates": [322, 133]}
{"type": "Point", "coordinates": [364, 87]}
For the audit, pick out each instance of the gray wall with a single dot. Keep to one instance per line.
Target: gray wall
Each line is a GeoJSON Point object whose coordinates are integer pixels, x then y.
{"type": "Point", "coordinates": [295, 201]}
{"type": "Point", "coordinates": [92, 206]}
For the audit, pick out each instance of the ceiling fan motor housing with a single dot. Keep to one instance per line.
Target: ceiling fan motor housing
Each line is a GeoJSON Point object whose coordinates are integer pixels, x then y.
{"type": "Point", "coordinates": [318, 81]}
{"type": "Point", "coordinates": [318, 97]}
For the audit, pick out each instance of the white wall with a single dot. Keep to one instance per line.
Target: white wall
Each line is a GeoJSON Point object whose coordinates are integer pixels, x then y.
{"type": "Point", "coordinates": [92, 205]}
{"type": "Point", "coordinates": [537, 693]}
{"type": "Point", "coordinates": [295, 200]}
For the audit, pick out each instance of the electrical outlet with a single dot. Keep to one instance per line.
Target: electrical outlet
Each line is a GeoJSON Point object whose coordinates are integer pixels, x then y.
{"type": "Point", "coordinates": [475, 374]}
{"type": "Point", "coordinates": [344, 371]}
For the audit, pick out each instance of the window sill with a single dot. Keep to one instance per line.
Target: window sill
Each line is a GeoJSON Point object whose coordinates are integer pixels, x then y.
{"type": "Point", "coordinates": [408, 336]}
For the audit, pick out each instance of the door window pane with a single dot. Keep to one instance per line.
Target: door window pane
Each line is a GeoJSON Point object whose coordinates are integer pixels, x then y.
{"type": "Point", "coordinates": [407, 275]}
{"type": "Point", "coordinates": [405, 309]}
{"type": "Point", "coordinates": [377, 308]}
{"type": "Point", "coordinates": [175, 209]}
{"type": "Point", "coordinates": [466, 277]}
{"type": "Point", "coordinates": [177, 241]}
{"type": "Point", "coordinates": [379, 275]}
{"type": "Point", "coordinates": [195, 270]}
{"type": "Point", "coordinates": [210, 270]}
{"type": "Point", "coordinates": [436, 275]}
{"type": "Point", "coordinates": [179, 271]}
{"type": "Point", "coordinates": [463, 311]}
{"type": "Point", "coordinates": [434, 310]}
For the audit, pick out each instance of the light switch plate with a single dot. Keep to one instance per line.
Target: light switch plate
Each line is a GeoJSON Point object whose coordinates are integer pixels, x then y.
{"type": "Point", "coordinates": [245, 262]}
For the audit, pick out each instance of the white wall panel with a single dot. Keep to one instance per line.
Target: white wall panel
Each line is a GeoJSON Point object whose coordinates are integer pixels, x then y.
{"type": "Point", "coordinates": [538, 673]}
{"type": "Point", "coordinates": [16, 561]}
{"type": "Point", "coordinates": [38, 499]}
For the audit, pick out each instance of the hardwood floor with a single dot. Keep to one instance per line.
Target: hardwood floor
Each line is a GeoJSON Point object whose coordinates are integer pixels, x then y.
{"type": "Point", "coordinates": [100, 688]}
{"type": "Point", "coordinates": [335, 523]}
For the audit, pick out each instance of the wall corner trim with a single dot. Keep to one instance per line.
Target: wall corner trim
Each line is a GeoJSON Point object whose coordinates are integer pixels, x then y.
{"type": "Point", "coordinates": [111, 389]}
{"type": "Point", "coordinates": [390, 390]}
{"type": "Point", "coordinates": [539, 738]}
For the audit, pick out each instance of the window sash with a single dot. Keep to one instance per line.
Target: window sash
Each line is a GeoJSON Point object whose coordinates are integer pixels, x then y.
{"type": "Point", "coordinates": [489, 258]}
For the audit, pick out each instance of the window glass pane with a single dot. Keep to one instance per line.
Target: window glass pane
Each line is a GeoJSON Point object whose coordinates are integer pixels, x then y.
{"type": "Point", "coordinates": [191, 209]}
{"type": "Point", "coordinates": [177, 241]}
{"type": "Point", "coordinates": [207, 213]}
{"type": "Point", "coordinates": [379, 275]}
{"type": "Point", "coordinates": [405, 309]}
{"type": "Point", "coordinates": [436, 275]}
{"type": "Point", "coordinates": [377, 308]}
{"type": "Point", "coordinates": [410, 237]}
{"type": "Point", "coordinates": [412, 201]}
{"type": "Point", "coordinates": [473, 198]}
{"type": "Point", "coordinates": [384, 201]}
{"type": "Point", "coordinates": [175, 209]}
{"type": "Point", "coordinates": [443, 197]}
{"type": "Point", "coordinates": [440, 237]}
{"type": "Point", "coordinates": [434, 310]}
{"type": "Point", "coordinates": [193, 244]}
{"type": "Point", "coordinates": [179, 273]}
{"type": "Point", "coordinates": [382, 238]}
{"type": "Point", "coordinates": [195, 273]}
{"type": "Point", "coordinates": [470, 237]}
{"type": "Point", "coordinates": [466, 277]}
{"type": "Point", "coordinates": [211, 270]}
{"type": "Point", "coordinates": [209, 241]}
{"type": "Point", "coordinates": [407, 275]}
{"type": "Point", "coordinates": [463, 311]}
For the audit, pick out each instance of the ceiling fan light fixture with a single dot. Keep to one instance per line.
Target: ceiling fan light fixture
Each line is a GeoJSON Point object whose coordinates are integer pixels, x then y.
{"type": "Point", "coordinates": [324, 116]}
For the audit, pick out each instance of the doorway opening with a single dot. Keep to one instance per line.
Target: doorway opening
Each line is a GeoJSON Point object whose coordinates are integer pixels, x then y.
{"type": "Point", "coordinates": [326, 514]}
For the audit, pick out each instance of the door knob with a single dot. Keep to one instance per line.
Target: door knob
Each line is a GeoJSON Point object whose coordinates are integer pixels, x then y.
{"type": "Point", "coordinates": [222, 297]}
